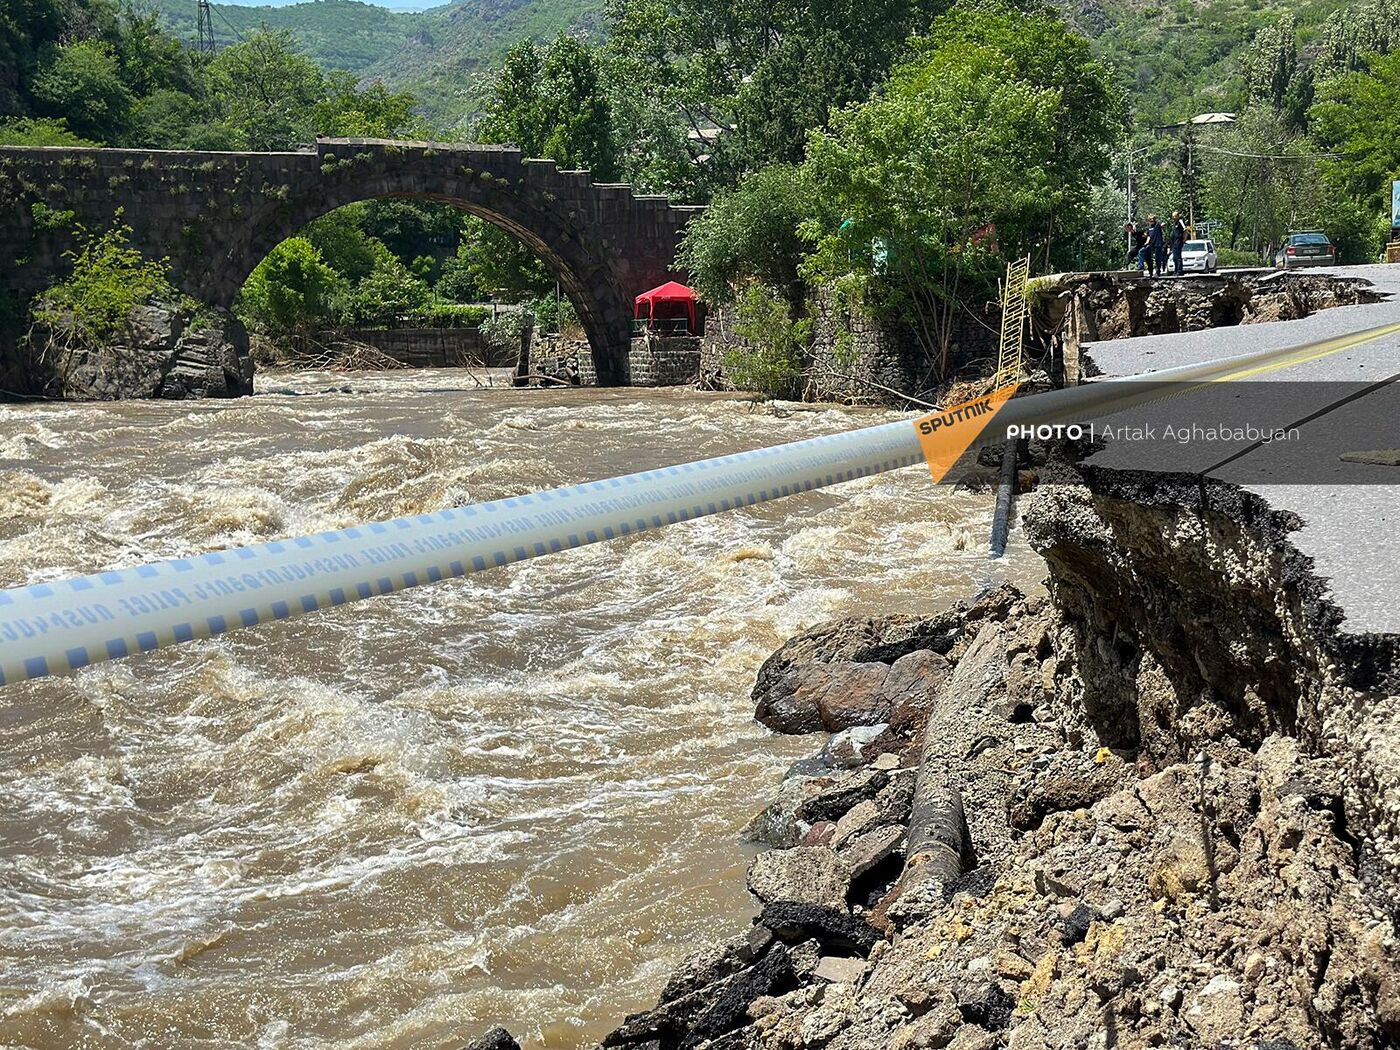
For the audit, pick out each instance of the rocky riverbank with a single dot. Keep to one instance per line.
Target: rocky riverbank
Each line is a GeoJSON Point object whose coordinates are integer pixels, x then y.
{"type": "Point", "coordinates": [1148, 809]}
{"type": "Point", "coordinates": [165, 350]}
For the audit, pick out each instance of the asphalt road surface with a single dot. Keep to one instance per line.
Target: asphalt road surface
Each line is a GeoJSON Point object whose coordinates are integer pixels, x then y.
{"type": "Point", "coordinates": [1350, 516]}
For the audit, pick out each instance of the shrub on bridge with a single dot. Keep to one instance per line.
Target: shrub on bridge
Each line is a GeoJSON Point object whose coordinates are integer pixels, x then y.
{"type": "Point", "coordinates": [109, 280]}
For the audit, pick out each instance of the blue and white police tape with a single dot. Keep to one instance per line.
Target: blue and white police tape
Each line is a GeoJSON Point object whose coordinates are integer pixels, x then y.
{"type": "Point", "coordinates": [53, 628]}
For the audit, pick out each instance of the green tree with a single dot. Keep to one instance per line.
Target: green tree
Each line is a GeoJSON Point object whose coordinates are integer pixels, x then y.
{"type": "Point", "coordinates": [151, 59]}
{"type": "Point", "coordinates": [499, 264]}
{"type": "Point", "coordinates": [1353, 32]}
{"type": "Point", "coordinates": [26, 131]}
{"type": "Point", "coordinates": [1089, 114]}
{"type": "Point", "coordinates": [1271, 63]}
{"type": "Point", "coordinates": [344, 245]}
{"type": "Point", "coordinates": [457, 282]}
{"type": "Point", "coordinates": [390, 293]}
{"type": "Point", "coordinates": [292, 289]}
{"type": "Point", "coordinates": [82, 83]}
{"type": "Point", "coordinates": [26, 26]}
{"type": "Point", "coordinates": [751, 232]}
{"type": "Point", "coordinates": [374, 111]}
{"type": "Point", "coordinates": [412, 229]}
{"type": "Point", "coordinates": [770, 357]}
{"type": "Point", "coordinates": [550, 102]}
{"type": "Point", "coordinates": [1356, 116]}
{"type": "Point", "coordinates": [171, 119]}
{"type": "Point", "coordinates": [266, 91]}
{"type": "Point", "coordinates": [957, 156]}
{"type": "Point", "coordinates": [1261, 181]}
{"type": "Point", "coordinates": [723, 87]}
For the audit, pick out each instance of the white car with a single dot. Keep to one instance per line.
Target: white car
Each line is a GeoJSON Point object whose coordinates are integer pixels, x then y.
{"type": "Point", "coordinates": [1198, 256]}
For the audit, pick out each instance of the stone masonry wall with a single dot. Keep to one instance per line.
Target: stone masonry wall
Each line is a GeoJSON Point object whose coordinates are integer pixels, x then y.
{"type": "Point", "coordinates": [432, 347]}
{"type": "Point", "coordinates": [858, 357]}
{"type": "Point", "coordinates": [664, 360]}
{"type": "Point", "coordinates": [655, 361]}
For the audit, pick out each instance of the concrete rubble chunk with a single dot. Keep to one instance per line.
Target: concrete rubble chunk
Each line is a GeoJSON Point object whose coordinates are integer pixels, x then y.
{"type": "Point", "coordinates": [856, 819]}
{"type": "Point", "coordinates": [807, 874]}
{"type": "Point", "coordinates": [839, 969]}
{"type": "Point", "coordinates": [869, 848]}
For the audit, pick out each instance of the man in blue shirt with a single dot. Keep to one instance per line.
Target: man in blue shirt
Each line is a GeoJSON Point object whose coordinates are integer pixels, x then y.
{"type": "Point", "coordinates": [1156, 247]}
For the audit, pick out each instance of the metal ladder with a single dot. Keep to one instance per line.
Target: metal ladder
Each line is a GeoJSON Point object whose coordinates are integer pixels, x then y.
{"type": "Point", "coordinates": [1011, 354]}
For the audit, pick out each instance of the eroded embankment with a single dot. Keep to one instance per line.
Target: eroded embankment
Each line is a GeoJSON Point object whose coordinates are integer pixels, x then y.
{"type": "Point", "coordinates": [1155, 808]}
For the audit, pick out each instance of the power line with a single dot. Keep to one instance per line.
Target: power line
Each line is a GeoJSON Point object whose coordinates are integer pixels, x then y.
{"type": "Point", "coordinates": [236, 31]}
{"type": "Point", "coordinates": [1272, 156]}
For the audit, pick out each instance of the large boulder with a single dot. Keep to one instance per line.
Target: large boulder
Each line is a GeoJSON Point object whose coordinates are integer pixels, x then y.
{"type": "Point", "coordinates": [864, 672]}
{"type": "Point", "coordinates": [167, 350]}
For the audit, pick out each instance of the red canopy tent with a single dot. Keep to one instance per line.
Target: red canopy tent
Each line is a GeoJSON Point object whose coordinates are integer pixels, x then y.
{"type": "Point", "coordinates": [667, 304]}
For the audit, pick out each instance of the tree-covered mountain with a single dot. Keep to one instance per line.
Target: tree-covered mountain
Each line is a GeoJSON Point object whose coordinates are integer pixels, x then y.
{"type": "Point", "coordinates": [439, 54]}
{"type": "Point", "coordinates": [337, 34]}
{"type": "Point", "coordinates": [1178, 58]}
{"type": "Point", "coordinates": [1173, 58]}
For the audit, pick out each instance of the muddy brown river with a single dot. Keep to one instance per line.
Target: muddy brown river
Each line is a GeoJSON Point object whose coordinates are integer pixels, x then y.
{"type": "Point", "coordinates": [514, 798]}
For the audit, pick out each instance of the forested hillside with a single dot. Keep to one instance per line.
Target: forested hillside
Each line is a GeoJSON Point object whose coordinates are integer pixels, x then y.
{"type": "Point", "coordinates": [1174, 58]}
{"type": "Point", "coordinates": [439, 54]}
{"type": "Point", "coordinates": [336, 34]}
{"type": "Point", "coordinates": [1180, 57]}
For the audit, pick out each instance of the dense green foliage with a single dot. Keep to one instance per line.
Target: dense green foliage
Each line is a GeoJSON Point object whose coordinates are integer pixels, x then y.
{"type": "Point", "coordinates": [984, 144]}
{"type": "Point", "coordinates": [38, 131]}
{"type": "Point", "coordinates": [770, 359]}
{"type": "Point", "coordinates": [751, 232]}
{"type": "Point", "coordinates": [103, 71]}
{"type": "Point", "coordinates": [550, 102]}
{"type": "Point", "coordinates": [735, 85]}
{"type": "Point", "coordinates": [990, 108]}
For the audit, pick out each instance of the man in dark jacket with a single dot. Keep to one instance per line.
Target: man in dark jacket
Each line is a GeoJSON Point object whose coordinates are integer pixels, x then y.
{"type": "Point", "coordinates": [1178, 241]}
{"type": "Point", "coordinates": [1156, 247]}
{"type": "Point", "coordinates": [1136, 239]}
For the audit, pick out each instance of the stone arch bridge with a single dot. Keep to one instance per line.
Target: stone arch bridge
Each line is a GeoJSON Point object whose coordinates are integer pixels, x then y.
{"type": "Point", "coordinates": [215, 215]}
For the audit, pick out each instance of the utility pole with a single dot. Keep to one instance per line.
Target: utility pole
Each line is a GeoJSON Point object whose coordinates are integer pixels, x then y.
{"type": "Point", "coordinates": [204, 27]}
{"type": "Point", "coordinates": [1132, 155]}
{"type": "Point", "coordinates": [1189, 176]}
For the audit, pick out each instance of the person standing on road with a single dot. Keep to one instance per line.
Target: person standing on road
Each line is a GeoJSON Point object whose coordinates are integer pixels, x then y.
{"type": "Point", "coordinates": [1178, 242]}
{"type": "Point", "coordinates": [1136, 239]}
{"type": "Point", "coordinates": [1154, 252]}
